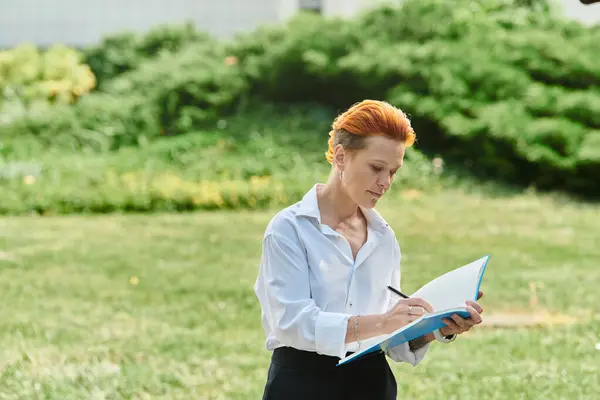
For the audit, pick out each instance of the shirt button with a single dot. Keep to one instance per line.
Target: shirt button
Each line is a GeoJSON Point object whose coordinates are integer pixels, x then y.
{"type": "Point", "coordinates": [350, 304]}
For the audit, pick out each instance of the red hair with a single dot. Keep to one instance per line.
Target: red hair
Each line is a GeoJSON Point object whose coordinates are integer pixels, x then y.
{"type": "Point", "coordinates": [369, 118]}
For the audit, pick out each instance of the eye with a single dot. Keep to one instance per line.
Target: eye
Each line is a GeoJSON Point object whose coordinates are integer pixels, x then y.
{"type": "Point", "coordinates": [376, 169]}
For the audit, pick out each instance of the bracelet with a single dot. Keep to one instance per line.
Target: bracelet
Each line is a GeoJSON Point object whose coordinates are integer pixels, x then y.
{"type": "Point", "coordinates": [444, 339]}
{"type": "Point", "coordinates": [356, 330]}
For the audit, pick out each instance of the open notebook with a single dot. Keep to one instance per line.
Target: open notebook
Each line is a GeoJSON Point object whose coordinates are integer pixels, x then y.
{"type": "Point", "coordinates": [447, 295]}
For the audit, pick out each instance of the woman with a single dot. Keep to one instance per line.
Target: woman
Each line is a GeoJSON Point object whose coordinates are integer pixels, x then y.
{"type": "Point", "coordinates": [326, 264]}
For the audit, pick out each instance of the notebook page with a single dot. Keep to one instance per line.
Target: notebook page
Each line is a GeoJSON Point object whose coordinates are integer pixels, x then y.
{"type": "Point", "coordinates": [453, 288]}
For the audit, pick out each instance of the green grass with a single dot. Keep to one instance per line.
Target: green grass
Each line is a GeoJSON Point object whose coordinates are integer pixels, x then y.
{"type": "Point", "coordinates": [75, 327]}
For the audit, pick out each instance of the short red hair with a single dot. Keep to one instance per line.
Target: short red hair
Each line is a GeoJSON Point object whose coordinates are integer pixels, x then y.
{"type": "Point", "coordinates": [369, 118]}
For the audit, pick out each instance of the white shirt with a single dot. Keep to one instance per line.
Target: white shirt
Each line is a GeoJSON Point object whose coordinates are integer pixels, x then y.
{"type": "Point", "coordinates": [309, 284]}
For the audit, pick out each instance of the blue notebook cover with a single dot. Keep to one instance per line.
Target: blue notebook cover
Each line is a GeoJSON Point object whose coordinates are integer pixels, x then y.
{"type": "Point", "coordinates": [422, 326]}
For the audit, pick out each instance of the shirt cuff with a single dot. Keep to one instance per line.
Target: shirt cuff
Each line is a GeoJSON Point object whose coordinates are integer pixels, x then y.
{"type": "Point", "coordinates": [403, 353]}
{"type": "Point", "coordinates": [330, 333]}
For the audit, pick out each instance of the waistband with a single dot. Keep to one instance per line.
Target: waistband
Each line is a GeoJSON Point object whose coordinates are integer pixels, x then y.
{"type": "Point", "coordinates": [294, 358]}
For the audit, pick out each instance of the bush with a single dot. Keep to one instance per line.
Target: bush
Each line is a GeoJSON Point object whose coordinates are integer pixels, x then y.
{"type": "Point", "coordinates": [490, 100]}
{"type": "Point", "coordinates": [139, 192]}
{"type": "Point", "coordinates": [299, 62]}
{"type": "Point", "coordinates": [30, 78]}
{"type": "Point", "coordinates": [75, 187]}
{"type": "Point", "coordinates": [455, 78]}
{"type": "Point", "coordinates": [190, 88]}
{"type": "Point", "coordinates": [100, 122]}
{"type": "Point", "coordinates": [507, 91]}
{"type": "Point", "coordinates": [119, 53]}
{"type": "Point", "coordinates": [170, 94]}
{"type": "Point", "coordinates": [503, 90]}
{"type": "Point", "coordinates": [266, 157]}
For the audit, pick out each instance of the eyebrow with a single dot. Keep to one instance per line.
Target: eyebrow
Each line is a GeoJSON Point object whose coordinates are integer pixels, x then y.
{"type": "Point", "coordinates": [384, 162]}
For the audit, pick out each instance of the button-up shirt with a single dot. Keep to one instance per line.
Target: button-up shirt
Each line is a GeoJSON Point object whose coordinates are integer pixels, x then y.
{"type": "Point", "coordinates": [309, 283]}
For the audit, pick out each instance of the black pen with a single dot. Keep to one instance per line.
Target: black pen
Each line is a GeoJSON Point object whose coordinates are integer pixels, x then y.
{"type": "Point", "coordinates": [399, 293]}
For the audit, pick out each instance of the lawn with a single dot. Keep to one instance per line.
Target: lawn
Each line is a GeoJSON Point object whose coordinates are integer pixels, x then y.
{"type": "Point", "coordinates": [161, 306]}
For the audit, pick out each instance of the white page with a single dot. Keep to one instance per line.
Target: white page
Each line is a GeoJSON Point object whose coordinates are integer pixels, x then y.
{"type": "Point", "coordinates": [447, 292]}
{"type": "Point", "coordinates": [453, 288]}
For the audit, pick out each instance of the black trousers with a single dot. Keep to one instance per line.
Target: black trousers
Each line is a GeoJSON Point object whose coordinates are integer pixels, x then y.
{"type": "Point", "coordinates": [296, 374]}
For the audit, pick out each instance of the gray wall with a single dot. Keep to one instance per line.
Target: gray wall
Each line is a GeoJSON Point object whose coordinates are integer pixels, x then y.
{"type": "Point", "coordinates": [574, 9]}
{"type": "Point", "coordinates": [81, 22]}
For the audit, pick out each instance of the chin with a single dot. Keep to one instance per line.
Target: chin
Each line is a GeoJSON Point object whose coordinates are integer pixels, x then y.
{"type": "Point", "coordinates": [369, 202]}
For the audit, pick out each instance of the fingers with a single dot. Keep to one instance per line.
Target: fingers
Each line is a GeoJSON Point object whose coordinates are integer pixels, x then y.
{"type": "Point", "coordinates": [410, 310]}
{"type": "Point", "coordinates": [412, 317]}
{"type": "Point", "coordinates": [458, 324]}
{"type": "Point", "coordinates": [475, 317]}
{"type": "Point", "coordinates": [452, 325]}
{"type": "Point", "coordinates": [462, 323]}
{"type": "Point", "coordinates": [468, 323]}
{"type": "Point", "coordinates": [420, 303]}
{"type": "Point", "coordinates": [416, 310]}
{"type": "Point", "coordinates": [475, 305]}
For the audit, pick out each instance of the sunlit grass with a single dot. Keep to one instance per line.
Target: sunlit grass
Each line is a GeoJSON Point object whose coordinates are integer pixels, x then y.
{"type": "Point", "coordinates": [161, 306]}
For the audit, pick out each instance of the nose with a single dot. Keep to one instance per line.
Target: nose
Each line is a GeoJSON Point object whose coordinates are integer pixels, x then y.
{"type": "Point", "coordinates": [385, 181]}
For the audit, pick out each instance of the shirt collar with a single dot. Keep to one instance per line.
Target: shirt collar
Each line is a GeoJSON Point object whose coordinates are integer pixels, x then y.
{"type": "Point", "coordinates": [309, 207]}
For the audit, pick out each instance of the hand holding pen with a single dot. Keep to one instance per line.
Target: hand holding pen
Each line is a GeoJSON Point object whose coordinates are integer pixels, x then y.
{"type": "Point", "coordinates": [405, 311]}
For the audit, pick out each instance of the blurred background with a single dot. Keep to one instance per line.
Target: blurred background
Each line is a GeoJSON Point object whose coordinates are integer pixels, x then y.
{"type": "Point", "coordinates": [144, 146]}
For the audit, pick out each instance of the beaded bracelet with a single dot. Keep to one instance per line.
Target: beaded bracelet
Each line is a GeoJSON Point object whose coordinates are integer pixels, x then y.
{"type": "Point", "coordinates": [356, 330]}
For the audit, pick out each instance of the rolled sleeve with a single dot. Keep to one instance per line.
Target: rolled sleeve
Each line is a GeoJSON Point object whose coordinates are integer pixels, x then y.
{"type": "Point", "coordinates": [330, 333]}
{"type": "Point", "coordinates": [283, 289]}
{"type": "Point", "coordinates": [403, 353]}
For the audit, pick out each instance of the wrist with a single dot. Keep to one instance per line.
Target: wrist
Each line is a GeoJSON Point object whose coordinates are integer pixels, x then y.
{"type": "Point", "coordinates": [444, 331]}
{"type": "Point", "coordinates": [440, 337]}
{"type": "Point", "coordinates": [430, 337]}
{"type": "Point", "coordinates": [383, 324]}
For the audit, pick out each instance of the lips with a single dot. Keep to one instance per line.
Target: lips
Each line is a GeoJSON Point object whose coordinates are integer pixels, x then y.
{"type": "Point", "coordinates": [375, 194]}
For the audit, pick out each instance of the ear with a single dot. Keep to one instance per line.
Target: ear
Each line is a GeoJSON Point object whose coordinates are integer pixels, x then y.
{"type": "Point", "coordinates": [339, 157]}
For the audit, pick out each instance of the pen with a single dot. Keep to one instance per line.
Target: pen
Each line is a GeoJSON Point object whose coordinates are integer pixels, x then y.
{"type": "Point", "coordinates": [399, 293]}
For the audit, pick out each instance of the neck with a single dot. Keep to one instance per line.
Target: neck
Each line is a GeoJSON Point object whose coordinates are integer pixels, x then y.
{"type": "Point", "coordinates": [335, 203]}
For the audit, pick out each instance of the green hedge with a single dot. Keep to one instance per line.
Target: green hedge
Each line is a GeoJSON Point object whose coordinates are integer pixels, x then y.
{"type": "Point", "coordinates": [506, 91]}
{"type": "Point", "coordinates": [100, 122]}
{"type": "Point", "coordinates": [32, 78]}
{"type": "Point", "coordinates": [190, 88]}
{"type": "Point", "coordinates": [502, 90]}
{"type": "Point", "coordinates": [265, 157]}
{"type": "Point", "coordinates": [166, 95]}
{"type": "Point", "coordinates": [122, 52]}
